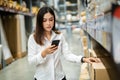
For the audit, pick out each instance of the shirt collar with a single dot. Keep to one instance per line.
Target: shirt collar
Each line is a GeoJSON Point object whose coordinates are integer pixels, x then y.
{"type": "Point", "coordinates": [53, 35]}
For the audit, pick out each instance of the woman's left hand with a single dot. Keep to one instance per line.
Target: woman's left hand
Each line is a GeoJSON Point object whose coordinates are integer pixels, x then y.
{"type": "Point", "coordinates": [91, 60]}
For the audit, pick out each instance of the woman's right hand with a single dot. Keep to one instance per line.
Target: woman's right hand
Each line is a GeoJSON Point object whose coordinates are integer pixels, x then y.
{"type": "Point", "coordinates": [49, 50]}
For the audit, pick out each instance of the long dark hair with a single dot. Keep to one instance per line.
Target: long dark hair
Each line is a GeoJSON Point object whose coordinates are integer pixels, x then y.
{"type": "Point", "coordinates": [39, 32]}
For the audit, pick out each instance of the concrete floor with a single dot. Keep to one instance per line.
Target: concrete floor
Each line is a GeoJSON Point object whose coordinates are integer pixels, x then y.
{"type": "Point", "coordinates": [21, 70]}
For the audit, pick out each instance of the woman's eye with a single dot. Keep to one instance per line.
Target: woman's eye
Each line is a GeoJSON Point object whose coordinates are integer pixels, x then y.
{"type": "Point", "coordinates": [44, 20]}
{"type": "Point", "coordinates": [51, 19]}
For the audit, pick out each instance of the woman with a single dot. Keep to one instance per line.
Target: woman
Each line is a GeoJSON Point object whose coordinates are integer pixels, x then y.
{"type": "Point", "coordinates": [43, 55]}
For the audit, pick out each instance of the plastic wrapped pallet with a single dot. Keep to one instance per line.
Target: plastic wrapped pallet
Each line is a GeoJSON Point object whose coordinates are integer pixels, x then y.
{"type": "Point", "coordinates": [23, 35]}
{"type": "Point", "coordinates": [5, 48]}
{"type": "Point", "coordinates": [15, 30]}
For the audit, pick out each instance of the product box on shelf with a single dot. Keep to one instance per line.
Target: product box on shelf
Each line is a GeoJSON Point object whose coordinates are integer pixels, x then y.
{"type": "Point", "coordinates": [85, 45]}
{"type": "Point", "coordinates": [81, 33]}
{"type": "Point", "coordinates": [99, 72]}
{"type": "Point", "coordinates": [100, 49]}
{"type": "Point", "coordinates": [84, 41]}
{"type": "Point", "coordinates": [104, 70]}
{"type": "Point", "coordinates": [85, 51]}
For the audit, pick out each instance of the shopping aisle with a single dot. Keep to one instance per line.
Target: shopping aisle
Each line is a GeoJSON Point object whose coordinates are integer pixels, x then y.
{"type": "Point", "coordinates": [72, 70]}
{"type": "Point", "coordinates": [21, 70]}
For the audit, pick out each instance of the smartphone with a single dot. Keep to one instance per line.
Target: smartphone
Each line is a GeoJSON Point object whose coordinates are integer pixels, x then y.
{"type": "Point", "coordinates": [55, 42]}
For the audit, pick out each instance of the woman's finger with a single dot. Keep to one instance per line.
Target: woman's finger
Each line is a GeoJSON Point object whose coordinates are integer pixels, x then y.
{"type": "Point", "coordinates": [94, 59]}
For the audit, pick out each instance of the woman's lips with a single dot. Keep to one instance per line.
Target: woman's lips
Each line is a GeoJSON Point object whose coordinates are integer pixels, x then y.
{"type": "Point", "coordinates": [48, 27]}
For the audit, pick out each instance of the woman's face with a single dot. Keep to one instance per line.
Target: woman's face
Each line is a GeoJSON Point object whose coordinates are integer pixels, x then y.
{"type": "Point", "coordinates": [48, 22]}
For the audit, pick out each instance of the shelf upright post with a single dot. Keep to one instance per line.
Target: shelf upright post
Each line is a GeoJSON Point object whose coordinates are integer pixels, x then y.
{"type": "Point", "coordinates": [36, 3]}
{"type": "Point", "coordinates": [65, 11]}
{"type": "Point", "coordinates": [20, 2]}
{"type": "Point", "coordinates": [50, 2]}
{"type": "Point", "coordinates": [0, 34]}
{"type": "Point", "coordinates": [28, 19]}
{"type": "Point", "coordinates": [68, 26]}
{"type": "Point", "coordinates": [78, 7]}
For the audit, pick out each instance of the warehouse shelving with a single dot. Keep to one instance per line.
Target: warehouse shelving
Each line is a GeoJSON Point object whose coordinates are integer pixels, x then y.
{"type": "Point", "coordinates": [98, 29]}
{"type": "Point", "coordinates": [19, 9]}
{"type": "Point", "coordinates": [68, 14]}
{"type": "Point", "coordinates": [10, 12]}
{"type": "Point", "coordinates": [68, 11]}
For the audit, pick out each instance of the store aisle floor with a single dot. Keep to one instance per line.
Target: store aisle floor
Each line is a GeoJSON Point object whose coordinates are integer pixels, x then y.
{"type": "Point", "coordinates": [21, 70]}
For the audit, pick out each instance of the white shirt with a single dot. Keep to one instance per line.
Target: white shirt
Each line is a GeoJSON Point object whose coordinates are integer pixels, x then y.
{"type": "Point", "coordinates": [50, 67]}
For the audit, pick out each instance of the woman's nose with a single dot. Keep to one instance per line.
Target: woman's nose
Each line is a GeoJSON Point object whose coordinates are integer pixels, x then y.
{"type": "Point", "coordinates": [48, 22]}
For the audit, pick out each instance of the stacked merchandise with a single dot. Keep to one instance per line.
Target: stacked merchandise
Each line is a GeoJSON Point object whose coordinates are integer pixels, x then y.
{"type": "Point", "coordinates": [5, 48]}
{"type": "Point", "coordinates": [84, 73]}
{"type": "Point", "coordinates": [99, 28]}
{"type": "Point", "coordinates": [15, 30]}
{"type": "Point", "coordinates": [68, 8]}
{"type": "Point", "coordinates": [104, 70]}
{"type": "Point", "coordinates": [85, 46]}
{"type": "Point", "coordinates": [84, 41]}
{"type": "Point", "coordinates": [13, 6]}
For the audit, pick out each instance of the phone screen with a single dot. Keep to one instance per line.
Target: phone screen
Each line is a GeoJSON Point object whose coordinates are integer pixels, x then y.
{"type": "Point", "coordinates": [55, 42]}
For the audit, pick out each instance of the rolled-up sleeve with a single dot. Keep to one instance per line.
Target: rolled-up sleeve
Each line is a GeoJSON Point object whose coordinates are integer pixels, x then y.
{"type": "Point", "coordinates": [68, 55]}
{"type": "Point", "coordinates": [34, 57]}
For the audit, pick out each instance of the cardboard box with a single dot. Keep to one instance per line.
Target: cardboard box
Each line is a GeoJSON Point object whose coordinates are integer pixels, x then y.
{"type": "Point", "coordinates": [81, 33]}
{"type": "Point", "coordinates": [99, 72]}
{"type": "Point", "coordinates": [105, 70]}
{"type": "Point", "coordinates": [84, 41]}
